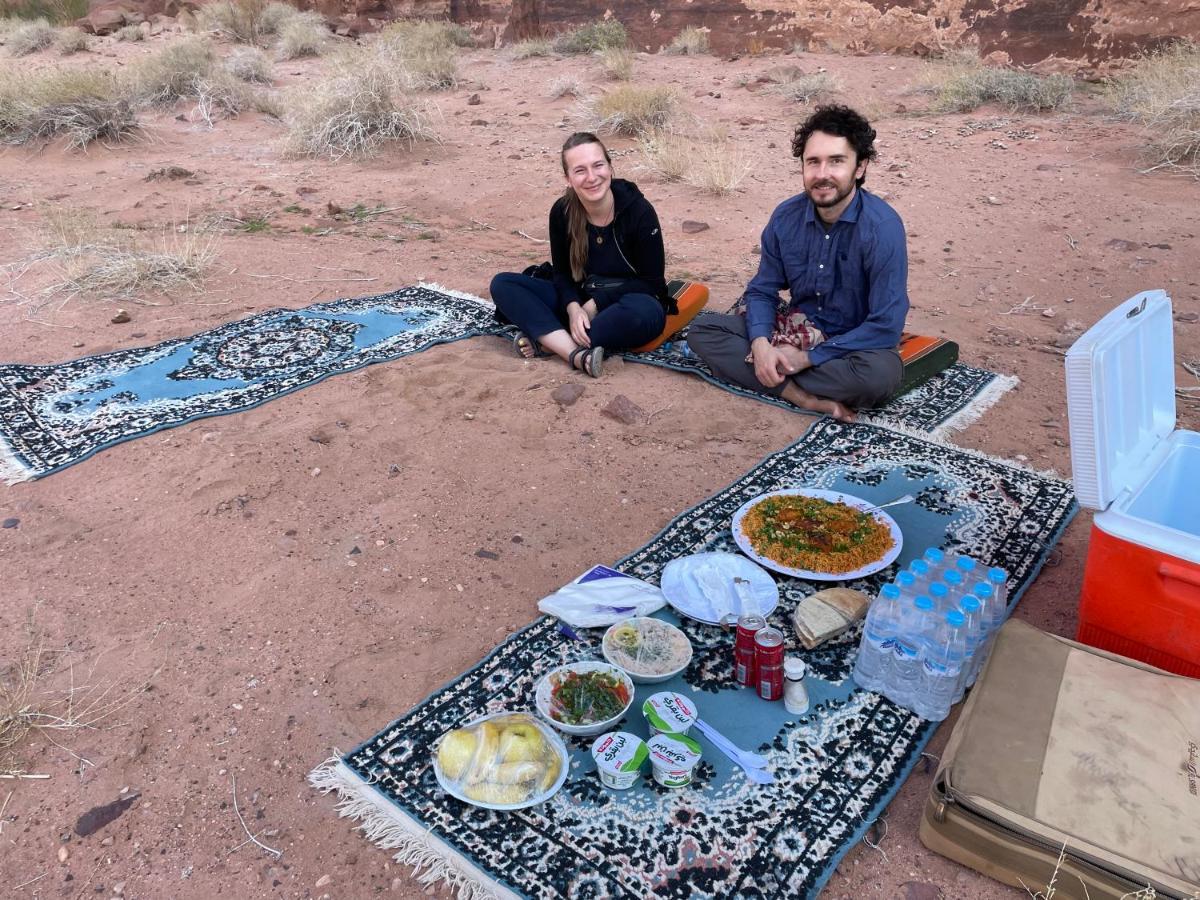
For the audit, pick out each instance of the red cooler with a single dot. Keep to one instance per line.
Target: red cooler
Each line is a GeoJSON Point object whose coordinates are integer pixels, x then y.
{"type": "Point", "coordinates": [1141, 584]}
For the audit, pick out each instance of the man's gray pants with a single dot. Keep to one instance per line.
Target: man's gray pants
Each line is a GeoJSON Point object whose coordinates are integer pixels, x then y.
{"type": "Point", "coordinates": [861, 379]}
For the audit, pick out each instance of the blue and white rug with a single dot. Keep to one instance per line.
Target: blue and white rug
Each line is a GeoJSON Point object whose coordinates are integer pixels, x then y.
{"type": "Point", "coordinates": [54, 416]}
{"type": "Point", "coordinates": [835, 768]}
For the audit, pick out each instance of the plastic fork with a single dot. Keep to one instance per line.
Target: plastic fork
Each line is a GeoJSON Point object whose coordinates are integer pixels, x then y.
{"type": "Point", "coordinates": [907, 498]}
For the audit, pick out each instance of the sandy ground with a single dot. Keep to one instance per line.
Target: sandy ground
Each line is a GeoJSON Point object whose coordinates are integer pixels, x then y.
{"type": "Point", "coordinates": [301, 573]}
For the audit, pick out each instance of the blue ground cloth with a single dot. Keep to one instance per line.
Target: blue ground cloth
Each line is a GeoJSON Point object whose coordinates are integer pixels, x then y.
{"type": "Point", "coordinates": [54, 416]}
{"type": "Point", "coordinates": [835, 767]}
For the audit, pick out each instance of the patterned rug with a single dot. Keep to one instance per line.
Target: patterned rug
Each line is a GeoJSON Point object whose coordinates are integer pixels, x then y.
{"type": "Point", "coordinates": [54, 416]}
{"type": "Point", "coordinates": [835, 768]}
{"type": "Point", "coordinates": [947, 402]}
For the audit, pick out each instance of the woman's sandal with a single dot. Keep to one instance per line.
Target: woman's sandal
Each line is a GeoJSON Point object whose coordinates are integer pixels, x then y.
{"type": "Point", "coordinates": [591, 360]}
{"type": "Point", "coordinates": [527, 347]}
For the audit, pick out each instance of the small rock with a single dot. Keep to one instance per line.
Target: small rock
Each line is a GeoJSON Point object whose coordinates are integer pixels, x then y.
{"type": "Point", "coordinates": [354, 551]}
{"type": "Point", "coordinates": [315, 472]}
{"type": "Point", "coordinates": [624, 410]}
{"type": "Point", "coordinates": [479, 122]}
{"type": "Point", "coordinates": [468, 416]}
{"type": "Point", "coordinates": [692, 227]}
{"type": "Point", "coordinates": [1121, 244]}
{"type": "Point", "coordinates": [121, 317]}
{"type": "Point", "coordinates": [921, 890]}
{"type": "Point", "coordinates": [1187, 317]}
{"type": "Point", "coordinates": [487, 554]}
{"type": "Point", "coordinates": [567, 394]}
{"type": "Point", "coordinates": [171, 172]}
{"type": "Point", "coordinates": [119, 888]}
{"type": "Point", "coordinates": [323, 880]}
{"type": "Point", "coordinates": [10, 523]}
{"type": "Point", "coordinates": [77, 344]}
{"type": "Point", "coordinates": [63, 853]}
{"type": "Point", "coordinates": [1048, 313]}
{"type": "Point", "coordinates": [473, 100]}
{"type": "Point", "coordinates": [993, 201]}
{"type": "Point", "coordinates": [393, 470]}
{"type": "Point", "coordinates": [1162, 246]}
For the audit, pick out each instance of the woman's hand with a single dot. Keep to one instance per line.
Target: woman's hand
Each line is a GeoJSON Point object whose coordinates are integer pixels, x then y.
{"type": "Point", "coordinates": [580, 322]}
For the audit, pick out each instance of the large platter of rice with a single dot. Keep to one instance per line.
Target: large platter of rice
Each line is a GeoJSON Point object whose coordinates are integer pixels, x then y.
{"type": "Point", "coordinates": [815, 534]}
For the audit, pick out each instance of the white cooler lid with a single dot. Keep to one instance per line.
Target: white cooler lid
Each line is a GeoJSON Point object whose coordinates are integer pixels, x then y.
{"type": "Point", "coordinates": [1120, 396]}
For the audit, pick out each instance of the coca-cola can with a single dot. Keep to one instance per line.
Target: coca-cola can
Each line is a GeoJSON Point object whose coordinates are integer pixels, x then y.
{"type": "Point", "coordinates": [768, 663]}
{"type": "Point", "coordinates": [744, 650]}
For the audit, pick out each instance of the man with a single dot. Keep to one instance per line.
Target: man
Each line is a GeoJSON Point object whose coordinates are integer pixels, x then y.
{"type": "Point", "coordinates": [840, 252]}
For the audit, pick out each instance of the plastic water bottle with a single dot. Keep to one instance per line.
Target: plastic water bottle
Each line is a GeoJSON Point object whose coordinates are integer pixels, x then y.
{"type": "Point", "coordinates": [939, 593]}
{"type": "Point", "coordinates": [873, 665]}
{"type": "Point", "coordinates": [920, 573]}
{"type": "Point", "coordinates": [942, 663]}
{"type": "Point", "coordinates": [954, 584]}
{"type": "Point", "coordinates": [967, 567]}
{"type": "Point", "coordinates": [986, 595]}
{"type": "Point", "coordinates": [905, 681]}
{"type": "Point", "coordinates": [998, 579]}
{"type": "Point", "coordinates": [907, 583]}
{"type": "Point", "coordinates": [936, 559]}
{"type": "Point", "coordinates": [976, 635]}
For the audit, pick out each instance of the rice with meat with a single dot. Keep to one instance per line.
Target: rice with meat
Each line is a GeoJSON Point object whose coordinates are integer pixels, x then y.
{"type": "Point", "coordinates": [816, 535]}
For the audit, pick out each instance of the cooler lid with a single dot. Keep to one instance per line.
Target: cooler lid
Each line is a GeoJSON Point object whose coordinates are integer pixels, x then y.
{"type": "Point", "coordinates": [1120, 396]}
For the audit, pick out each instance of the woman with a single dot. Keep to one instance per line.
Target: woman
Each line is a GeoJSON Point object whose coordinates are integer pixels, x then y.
{"type": "Point", "coordinates": [606, 247]}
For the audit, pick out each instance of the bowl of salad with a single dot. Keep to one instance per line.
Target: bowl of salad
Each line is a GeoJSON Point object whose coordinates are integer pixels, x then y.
{"type": "Point", "coordinates": [584, 698]}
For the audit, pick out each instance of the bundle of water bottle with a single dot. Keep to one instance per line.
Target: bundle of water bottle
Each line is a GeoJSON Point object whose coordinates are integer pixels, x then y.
{"type": "Point", "coordinates": [928, 633]}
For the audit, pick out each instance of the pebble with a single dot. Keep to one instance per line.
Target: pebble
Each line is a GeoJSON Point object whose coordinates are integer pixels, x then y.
{"type": "Point", "coordinates": [119, 888]}
{"type": "Point", "coordinates": [690, 226]}
{"type": "Point", "coordinates": [315, 472]}
{"type": "Point", "coordinates": [921, 890]}
{"type": "Point", "coordinates": [121, 317]}
{"type": "Point", "coordinates": [10, 523]}
{"type": "Point", "coordinates": [323, 880]}
{"type": "Point", "coordinates": [63, 853]}
{"type": "Point", "coordinates": [567, 394]}
{"type": "Point", "coordinates": [624, 410]}
{"type": "Point", "coordinates": [473, 100]}
{"type": "Point", "coordinates": [468, 415]}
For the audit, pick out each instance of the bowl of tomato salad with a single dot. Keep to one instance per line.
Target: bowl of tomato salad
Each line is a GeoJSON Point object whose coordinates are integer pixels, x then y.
{"type": "Point", "coordinates": [584, 698]}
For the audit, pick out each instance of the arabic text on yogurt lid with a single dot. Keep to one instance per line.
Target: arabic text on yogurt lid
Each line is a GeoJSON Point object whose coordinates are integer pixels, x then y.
{"type": "Point", "coordinates": [672, 758]}
{"type": "Point", "coordinates": [619, 757]}
{"type": "Point", "coordinates": [669, 713]}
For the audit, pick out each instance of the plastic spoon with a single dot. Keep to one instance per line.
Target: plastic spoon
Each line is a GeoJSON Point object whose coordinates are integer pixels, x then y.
{"type": "Point", "coordinates": [754, 760]}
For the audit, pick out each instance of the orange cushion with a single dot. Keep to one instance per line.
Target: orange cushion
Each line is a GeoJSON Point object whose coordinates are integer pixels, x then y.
{"type": "Point", "coordinates": [690, 297]}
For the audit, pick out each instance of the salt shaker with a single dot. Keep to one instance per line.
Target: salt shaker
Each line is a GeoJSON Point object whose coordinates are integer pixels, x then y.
{"type": "Point", "coordinates": [795, 694]}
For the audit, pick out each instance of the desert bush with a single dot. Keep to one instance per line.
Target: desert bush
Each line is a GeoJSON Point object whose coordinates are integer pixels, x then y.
{"type": "Point", "coordinates": [58, 12]}
{"type": "Point", "coordinates": [592, 37]}
{"type": "Point", "coordinates": [354, 112]}
{"type": "Point", "coordinates": [245, 21]}
{"type": "Point", "coordinates": [530, 49]}
{"type": "Point", "coordinates": [221, 95]}
{"type": "Point", "coordinates": [172, 73]}
{"type": "Point", "coordinates": [617, 62]}
{"type": "Point", "coordinates": [1162, 93]}
{"type": "Point", "coordinates": [710, 162]}
{"type": "Point", "coordinates": [791, 83]}
{"type": "Point", "coordinates": [424, 53]}
{"type": "Point", "coordinates": [691, 41]}
{"type": "Point", "coordinates": [303, 35]}
{"type": "Point", "coordinates": [29, 38]}
{"type": "Point", "coordinates": [628, 109]}
{"type": "Point", "coordinates": [71, 40]}
{"type": "Point", "coordinates": [129, 33]}
{"type": "Point", "coordinates": [961, 82]}
{"type": "Point", "coordinates": [564, 86]}
{"type": "Point", "coordinates": [275, 15]}
{"type": "Point", "coordinates": [82, 105]}
{"type": "Point", "coordinates": [248, 64]}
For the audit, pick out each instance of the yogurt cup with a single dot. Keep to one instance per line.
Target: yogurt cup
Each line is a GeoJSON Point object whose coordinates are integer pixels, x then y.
{"type": "Point", "coordinates": [669, 713]}
{"type": "Point", "coordinates": [619, 756]}
{"type": "Point", "coordinates": [672, 758]}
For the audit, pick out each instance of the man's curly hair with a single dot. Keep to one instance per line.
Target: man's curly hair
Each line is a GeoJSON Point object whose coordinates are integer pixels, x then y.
{"type": "Point", "coordinates": [840, 121]}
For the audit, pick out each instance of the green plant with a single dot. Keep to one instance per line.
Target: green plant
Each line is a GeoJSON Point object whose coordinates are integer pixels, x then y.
{"type": "Point", "coordinates": [793, 84]}
{"type": "Point", "coordinates": [172, 73]}
{"type": "Point", "coordinates": [691, 41]}
{"type": "Point", "coordinates": [960, 82]}
{"type": "Point", "coordinates": [1162, 93]}
{"type": "Point", "coordinates": [59, 12]}
{"type": "Point", "coordinates": [295, 208]}
{"type": "Point", "coordinates": [29, 38]}
{"type": "Point", "coordinates": [129, 33]}
{"type": "Point", "coordinates": [628, 109]}
{"type": "Point", "coordinates": [592, 37]}
{"type": "Point", "coordinates": [256, 225]}
{"type": "Point", "coordinates": [71, 40]}
{"type": "Point", "coordinates": [423, 53]}
{"type": "Point", "coordinates": [617, 62]}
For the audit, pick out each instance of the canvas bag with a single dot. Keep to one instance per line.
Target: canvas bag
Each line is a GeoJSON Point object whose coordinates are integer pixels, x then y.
{"type": "Point", "coordinates": [1063, 744]}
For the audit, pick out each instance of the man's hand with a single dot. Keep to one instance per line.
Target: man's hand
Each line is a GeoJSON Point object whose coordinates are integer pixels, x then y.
{"type": "Point", "coordinates": [580, 322]}
{"type": "Point", "coordinates": [771, 365]}
{"type": "Point", "coordinates": [795, 357]}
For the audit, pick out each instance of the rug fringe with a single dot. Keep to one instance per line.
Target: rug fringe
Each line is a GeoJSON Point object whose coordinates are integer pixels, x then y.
{"type": "Point", "coordinates": [12, 470]}
{"type": "Point", "coordinates": [969, 414]}
{"type": "Point", "coordinates": [432, 861]}
{"type": "Point", "coordinates": [461, 295]}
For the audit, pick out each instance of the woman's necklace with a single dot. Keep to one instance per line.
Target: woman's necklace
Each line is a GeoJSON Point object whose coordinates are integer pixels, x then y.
{"type": "Point", "coordinates": [606, 220]}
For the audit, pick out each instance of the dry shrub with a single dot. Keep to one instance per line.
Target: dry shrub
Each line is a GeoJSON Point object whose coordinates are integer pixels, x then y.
{"type": "Point", "coordinates": [564, 86]}
{"type": "Point", "coordinates": [129, 33]}
{"type": "Point", "coordinates": [172, 73]}
{"type": "Point", "coordinates": [424, 52]}
{"type": "Point", "coordinates": [71, 40]}
{"type": "Point", "coordinates": [593, 37]}
{"type": "Point", "coordinates": [303, 35]}
{"type": "Point", "coordinates": [617, 62]}
{"type": "Point", "coordinates": [29, 37]}
{"type": "Point", "coordinates": [633, 110]}
{"type": "Point", "coordinates": [275, 15]}
{"type": "Point", "coordinates": [355, 111]}
{"type": "Point", "coordinates": [104, 263]}
{"type": "Point", "coordinates": [691, 41]}
{"type": "Point", "coordinates": [961, 82]}
{"type": "Point", "coordinates": [222, 95]}
{"type": "Point", "coordinates": [791, 83]}
{"type": "Point", "coordinates": [1162, 93]}
{"type": "Point", "coordinates": [710, 162]}
{"type": "Point", "coordinates": [59, 12]}
{"type": "Point", "coordinates": [82, 105]}
{"type": "Point", "coordinates": [237, 20]}
{"type": "Point", "coordinates": [530, 49]}
{"type": "Point", "coordinates": [248, 64]}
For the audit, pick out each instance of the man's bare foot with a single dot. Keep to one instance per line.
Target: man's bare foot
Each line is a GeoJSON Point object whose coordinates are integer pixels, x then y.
{"type": "Point", "coordinates": [803, 399]}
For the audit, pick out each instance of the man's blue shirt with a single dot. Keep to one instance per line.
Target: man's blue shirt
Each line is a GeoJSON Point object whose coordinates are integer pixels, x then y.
{"type": "Point", "coordinates": [851, 281]}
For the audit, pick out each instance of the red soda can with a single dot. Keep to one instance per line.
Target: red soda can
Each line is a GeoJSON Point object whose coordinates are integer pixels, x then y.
{"type": "Point", "coordinates": [768, 663]}
{"type": "Point", "coordinates": [743, 648]}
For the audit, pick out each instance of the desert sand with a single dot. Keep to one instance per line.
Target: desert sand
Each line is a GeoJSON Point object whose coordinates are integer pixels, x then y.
{"type": "Point", "coordinates": [290, 578]}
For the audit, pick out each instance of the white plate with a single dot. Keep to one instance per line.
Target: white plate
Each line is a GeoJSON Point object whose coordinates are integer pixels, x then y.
{"type": "Point", "coordinates": [834, 497]}
{"type": "Point", "coordinates": [553, 739]}
{"type": "Point", "coordinates": [688, 583]}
